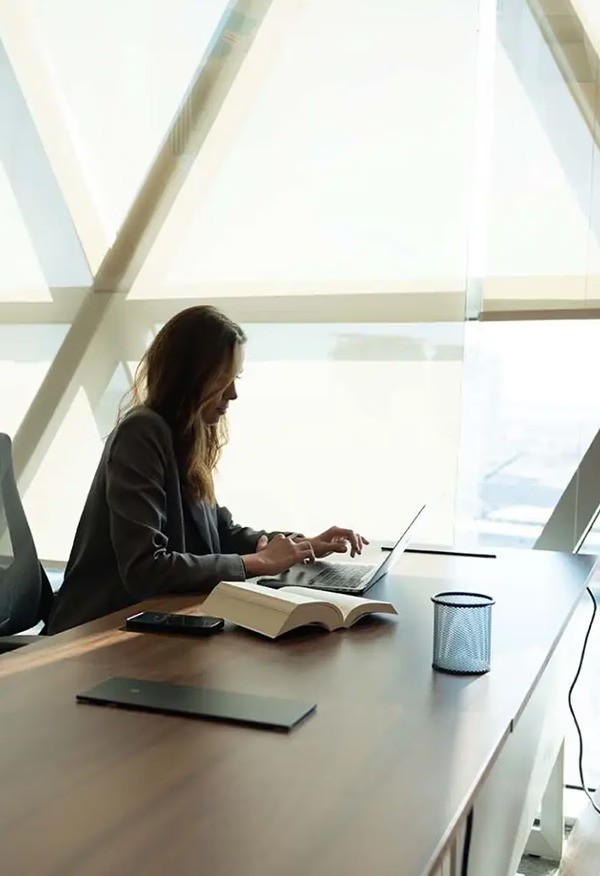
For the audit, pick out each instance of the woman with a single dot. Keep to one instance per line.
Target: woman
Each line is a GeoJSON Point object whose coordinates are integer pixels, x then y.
{"type": "Point", "coordinates": [151, 524]}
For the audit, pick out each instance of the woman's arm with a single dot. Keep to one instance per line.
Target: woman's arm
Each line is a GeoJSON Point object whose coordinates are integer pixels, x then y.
{"type": "Point", "coordinates": [241, 539]}
{"type": "Point", "coordinates": [136, 478]}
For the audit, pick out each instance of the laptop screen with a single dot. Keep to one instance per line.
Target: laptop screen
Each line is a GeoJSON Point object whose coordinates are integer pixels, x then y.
{"type": "Point", "coordinates": [391, 556]}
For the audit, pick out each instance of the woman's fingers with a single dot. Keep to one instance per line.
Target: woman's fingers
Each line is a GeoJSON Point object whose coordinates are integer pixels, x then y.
{"type": "Point", "coordinates": [353, 539]}
{"type": "Point", "coordinates": [339, 546]}
{"type": "Point", "coordinates": [305, 551]}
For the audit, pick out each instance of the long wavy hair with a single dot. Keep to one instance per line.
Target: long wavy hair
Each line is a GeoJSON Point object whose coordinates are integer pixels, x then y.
{"type": "Point", "coordinates": [186, 368]}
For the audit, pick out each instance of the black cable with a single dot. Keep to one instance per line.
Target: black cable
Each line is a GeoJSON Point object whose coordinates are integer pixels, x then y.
{"type": "Point", "coordinates": [584, 787]}
{"type": "Point", "coordinates": [464, 866]}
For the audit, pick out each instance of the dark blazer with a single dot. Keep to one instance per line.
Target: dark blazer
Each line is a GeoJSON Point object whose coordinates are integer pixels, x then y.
{"type": "Point", "coordinates": [139, 535]}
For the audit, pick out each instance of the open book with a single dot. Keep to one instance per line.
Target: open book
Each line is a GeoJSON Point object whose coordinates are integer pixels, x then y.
{"type": "Point", "coordinates": [274, 612]}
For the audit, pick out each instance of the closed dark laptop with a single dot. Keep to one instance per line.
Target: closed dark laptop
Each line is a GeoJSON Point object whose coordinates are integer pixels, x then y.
{"type": "Point", "coordinates": [197, 702]}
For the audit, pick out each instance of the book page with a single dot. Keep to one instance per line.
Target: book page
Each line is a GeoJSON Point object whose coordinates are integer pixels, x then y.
{"type": "Point", "coordinates": [259, 595]}
{"type": "Point", "coordinates": [356, 606]}
{"type": "Point", "coordinates": [267, 611]}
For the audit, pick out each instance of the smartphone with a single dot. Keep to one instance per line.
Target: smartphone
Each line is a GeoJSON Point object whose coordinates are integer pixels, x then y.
{"type": "Point", "coordinates": [163, 622]}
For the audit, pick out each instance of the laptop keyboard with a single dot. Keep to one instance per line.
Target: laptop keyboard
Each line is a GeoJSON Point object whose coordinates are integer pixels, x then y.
{"type": "Point", "coordinates": [345, 576]}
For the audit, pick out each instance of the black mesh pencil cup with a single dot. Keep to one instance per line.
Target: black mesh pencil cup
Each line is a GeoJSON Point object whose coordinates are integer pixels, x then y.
{"type": "Point", "coordinates": [462, 625]}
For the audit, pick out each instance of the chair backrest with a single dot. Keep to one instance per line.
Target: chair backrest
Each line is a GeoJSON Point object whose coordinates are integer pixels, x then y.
{"type": "Point", "coordinates": [25, 594]}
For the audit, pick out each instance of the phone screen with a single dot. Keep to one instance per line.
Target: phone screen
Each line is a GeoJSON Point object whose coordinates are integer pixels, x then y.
{"type": "Point", "coordinates": [157, 621]}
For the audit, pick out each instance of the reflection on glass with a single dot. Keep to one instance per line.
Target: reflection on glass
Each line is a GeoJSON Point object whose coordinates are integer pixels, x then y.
{"type": "Point", "coordinates": [355, 422]}
{"type": "Point", "coordinates": [121, 68]}
{"type": "Point", "coordinates": [21, 275]}
{"type": "Point", "coordinates": [63, 481]}
{"type": "Point", "coordinates": [591, 544]}
{"type": "Point", "coordinates": [107, 409]}
{"type": "Point", "coordinates": [528, 416]}
{"type": "Point", "coordinates": [41, 253]}
{"type": "Point", "coordinates": [544, 230]}
{"type": "Point", "coordinates": [346, 423]}
{"type": "Point", "coordinates": [353, 163]}
{"type": "Point", "coordinates": [26, 353]}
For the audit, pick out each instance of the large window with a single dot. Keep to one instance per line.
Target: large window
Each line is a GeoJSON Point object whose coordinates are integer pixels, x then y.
{"type": "Point", "coordinates": [349, 183]}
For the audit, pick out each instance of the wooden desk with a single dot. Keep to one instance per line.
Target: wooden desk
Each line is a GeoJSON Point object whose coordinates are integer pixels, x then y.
{"type": "Point", "coordinates": [378, 781]}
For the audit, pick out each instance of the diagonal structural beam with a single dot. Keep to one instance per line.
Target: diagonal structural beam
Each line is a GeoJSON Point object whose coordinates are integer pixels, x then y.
{"type": "Point", "coordinates": [576, 55]}
{"type": "Point", "coordinates": [81, 359]}
{"type": "Point", "coordinates": [577, 508]}
{"type": "Point", "coordinates": [41, 201]}
{"type": "Point", "coordinates": [40, 94]}
{"type": "Point", "coordinates": [235, 106]}
{"type": "Point", "coordinates": [78, 362]}
{"type": "Point", "coordinates": [567, 38]}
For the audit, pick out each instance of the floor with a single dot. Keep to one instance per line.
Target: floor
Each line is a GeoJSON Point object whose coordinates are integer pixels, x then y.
{"type": "Point", "coordinates": [581, 856]}
{"type": "Point", "coordinates": [537, 867]}
{"type": "Point", "coordinates": [582, 850]}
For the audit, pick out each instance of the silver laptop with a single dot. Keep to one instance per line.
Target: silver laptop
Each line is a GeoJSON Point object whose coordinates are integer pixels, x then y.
{"type": "Point", "coordinates": [347, 577]}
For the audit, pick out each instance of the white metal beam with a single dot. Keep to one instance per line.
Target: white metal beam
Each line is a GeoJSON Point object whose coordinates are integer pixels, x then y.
{"type": "Point", "coordinates": [299, 304]}
{"type": "Point", "coordinates": [62, 309]}
{"type": "Point", "coordinates": [79, 362]}
{"type": "Point", "coordinates": [577, 508]}
{"type": "Point", "coordinates": [41, 202]}
{"type": "Point", "coordinates": [482, 166]}
{"type": "Point", "coordinates": [575, 49]}
{"type": "Point", "coordinates": [29, 60]}
{"type": "Point", "coordinates": [81, 359]}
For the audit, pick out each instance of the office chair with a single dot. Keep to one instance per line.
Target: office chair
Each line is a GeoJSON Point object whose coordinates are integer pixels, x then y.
{"type": "Point", "coordinates": [25, 590]}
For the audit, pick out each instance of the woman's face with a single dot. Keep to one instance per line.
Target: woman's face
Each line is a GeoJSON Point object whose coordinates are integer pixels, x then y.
{"type": "Point", "coordinates": [217, 409]}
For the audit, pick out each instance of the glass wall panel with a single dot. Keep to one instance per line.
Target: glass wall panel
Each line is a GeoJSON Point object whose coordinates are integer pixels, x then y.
{"type": "Point", "coordinates": [121, 68]}
{"type": "Point", "coordinates": [26, 353]}
{"type": "Point", "coordinates": [21, 277]}
{"type": "Point", "coordinates": [591, 545]}
{"type": "Point", "coordinates": [348, 425]}
{"type": "Point", "coordinates": [351, 170]}
{"type": "Point", "coordinates": [588, 12]}
{"type": "Point", "coordinates": [358, 421]}
{"type": "Point", "coordinates": [530, 411]}
{"type": "Point", "coordinates": [63, 480]}
{"type": "Point", "coordinates": [334, 423]}
{"type": "Point", "coordinates": [543, 247]}
{"type": "Point", "coordinates": [41, 253]}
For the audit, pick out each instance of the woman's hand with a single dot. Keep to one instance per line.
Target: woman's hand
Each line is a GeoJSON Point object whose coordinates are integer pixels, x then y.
{"type": "Point", "coordinates": [337, 540]}
{"type": "Point", "coordinates": [278, 555]}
